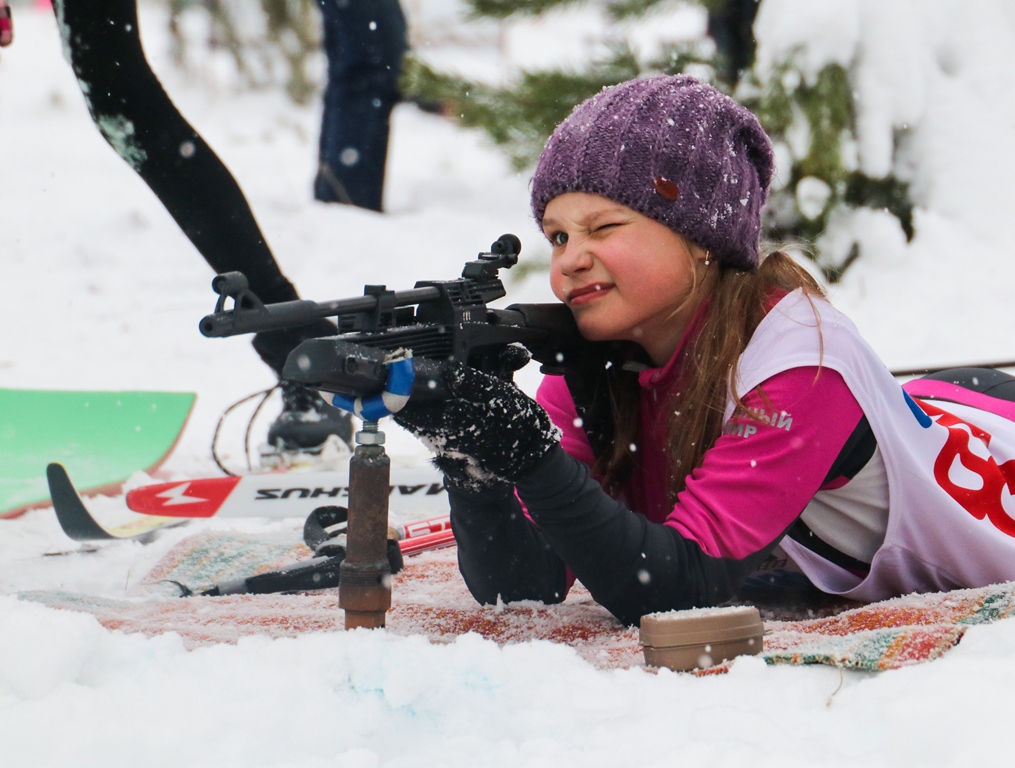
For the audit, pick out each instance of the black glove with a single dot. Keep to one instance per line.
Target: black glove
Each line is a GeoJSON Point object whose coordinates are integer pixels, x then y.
{"type": "Point", "coordinates": [465, 474]}
{"type": "Point", "coordinates": [485, 433]}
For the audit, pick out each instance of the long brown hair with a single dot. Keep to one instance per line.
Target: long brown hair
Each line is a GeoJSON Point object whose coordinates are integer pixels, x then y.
{"type": "Point", "coordinates": [736, 303]}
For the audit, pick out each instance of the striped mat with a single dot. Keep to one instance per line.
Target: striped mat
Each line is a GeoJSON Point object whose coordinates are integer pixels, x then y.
{"type": "Point", "coordinates": [429, 598]}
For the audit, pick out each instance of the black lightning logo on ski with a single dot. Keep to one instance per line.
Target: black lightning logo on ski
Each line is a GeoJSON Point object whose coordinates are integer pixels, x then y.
{"type": "Point", "coordinates": [342, 491]}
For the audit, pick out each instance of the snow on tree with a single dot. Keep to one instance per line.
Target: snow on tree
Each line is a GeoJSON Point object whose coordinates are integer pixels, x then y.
{"type": "Point", "coordinates": [806, 100]}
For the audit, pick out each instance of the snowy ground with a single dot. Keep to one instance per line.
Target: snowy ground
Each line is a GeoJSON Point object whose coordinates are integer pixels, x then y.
{"type": "Point", "coordinates": [100, 290]}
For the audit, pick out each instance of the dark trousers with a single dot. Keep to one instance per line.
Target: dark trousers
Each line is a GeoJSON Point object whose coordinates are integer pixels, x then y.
{"type": "Point", "coordinates": [731, 25]}
{"type": "Point", "coordinates": [364, 41]}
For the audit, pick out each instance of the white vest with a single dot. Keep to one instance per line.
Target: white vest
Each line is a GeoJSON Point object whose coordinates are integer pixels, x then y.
{"type": "Point", "coordinates": [951, 468]}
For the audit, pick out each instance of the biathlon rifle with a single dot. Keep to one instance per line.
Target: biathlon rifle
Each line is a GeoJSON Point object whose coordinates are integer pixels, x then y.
{"type": "Point", "coordinates": [437, 321]}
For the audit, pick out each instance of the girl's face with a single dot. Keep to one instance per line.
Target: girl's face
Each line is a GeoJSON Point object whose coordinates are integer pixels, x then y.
{"type": "Point", "coordinates": [623, 275]}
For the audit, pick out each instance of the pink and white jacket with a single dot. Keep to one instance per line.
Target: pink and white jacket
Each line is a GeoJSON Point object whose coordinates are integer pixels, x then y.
{"type": "Point", "coordinates": [925, 508]}
{"type": "Point", "coordinates": [941, 527]}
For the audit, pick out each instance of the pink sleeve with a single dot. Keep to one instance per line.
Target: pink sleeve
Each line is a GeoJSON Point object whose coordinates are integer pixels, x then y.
{"type": "Point", "coordinates": [554, 396]}
{"type": "Point", "coordinates": [760, 475]}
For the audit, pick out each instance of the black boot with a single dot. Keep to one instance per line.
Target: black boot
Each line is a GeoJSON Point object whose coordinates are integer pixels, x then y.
{"type": "Point", "coordinates": [307, 421]}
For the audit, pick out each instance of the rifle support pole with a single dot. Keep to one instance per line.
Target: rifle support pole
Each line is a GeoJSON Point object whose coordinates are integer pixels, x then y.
{"type": "Point", "coordinates": [364, 583]}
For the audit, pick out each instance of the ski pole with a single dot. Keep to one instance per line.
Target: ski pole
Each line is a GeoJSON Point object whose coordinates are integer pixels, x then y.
{"type": "Point", "coordinates": [423, 528]}
{"type": "Point", "coordinates": [436, 540]}
{"type": "Point", "coordinates": [322, 572]}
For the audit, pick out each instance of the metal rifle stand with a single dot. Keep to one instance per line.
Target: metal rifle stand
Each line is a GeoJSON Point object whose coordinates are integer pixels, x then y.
{"type": "Point", "coordinates": [364, 577]}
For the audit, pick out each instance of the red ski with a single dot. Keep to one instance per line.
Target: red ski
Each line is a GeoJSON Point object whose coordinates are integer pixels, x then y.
{"type": "Point", "coordinates": [290, 494]}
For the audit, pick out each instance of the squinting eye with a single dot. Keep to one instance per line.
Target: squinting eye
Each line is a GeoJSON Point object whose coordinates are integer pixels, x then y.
{"type": "Point", "coordinates": [559, 238]}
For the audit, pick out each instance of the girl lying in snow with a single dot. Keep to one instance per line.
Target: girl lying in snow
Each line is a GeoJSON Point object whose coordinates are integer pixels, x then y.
{"type": "Point", "coordinates": [733, 415]}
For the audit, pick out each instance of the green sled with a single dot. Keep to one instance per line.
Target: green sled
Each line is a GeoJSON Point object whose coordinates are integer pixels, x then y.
{"type": "Point", "coordinates": [102, 438]}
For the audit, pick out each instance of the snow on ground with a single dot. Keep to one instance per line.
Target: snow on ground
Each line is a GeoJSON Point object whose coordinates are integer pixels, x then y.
{"type": "Point", "coordinates": [100, 290]}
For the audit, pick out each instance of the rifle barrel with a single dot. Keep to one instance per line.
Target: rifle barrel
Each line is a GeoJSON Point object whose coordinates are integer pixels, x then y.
{"type": "Point", "coordinates": [292, 314]}
{"type": "Point", "coordinates": [369, 303]}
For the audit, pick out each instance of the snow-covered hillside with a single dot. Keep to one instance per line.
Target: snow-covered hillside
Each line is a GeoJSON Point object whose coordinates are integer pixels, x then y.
{"type": "Point", "coordinates": [99, 289]}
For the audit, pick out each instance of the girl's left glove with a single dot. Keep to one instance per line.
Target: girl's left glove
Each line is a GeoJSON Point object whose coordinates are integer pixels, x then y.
{"type": "Point", "coordinates": [486, 431]}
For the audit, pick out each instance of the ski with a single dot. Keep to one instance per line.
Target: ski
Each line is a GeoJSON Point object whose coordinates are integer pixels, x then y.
{"type": "Point", "coordinates": [79, 524]}
{"type": "Point", "coordinates": [285, 494]}
{"type": "Point", "coordinates": [215, 496]}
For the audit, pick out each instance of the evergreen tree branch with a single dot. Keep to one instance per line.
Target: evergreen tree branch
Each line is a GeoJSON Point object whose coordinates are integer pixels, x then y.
{"type": "Point", "coordinates": [617, 9]}
{"type": "Point", "coordinates": [504, 9]}
{"type": "Point", "coordinates": [518, 118]}
{"type": "Point", "coordinates": [626, 9]}
{"type": "Point", "coordinates": [675, 58]}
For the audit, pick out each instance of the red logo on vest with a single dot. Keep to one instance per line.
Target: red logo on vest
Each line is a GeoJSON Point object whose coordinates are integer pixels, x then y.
{"type": "Point", "coordinates": [984, 500]}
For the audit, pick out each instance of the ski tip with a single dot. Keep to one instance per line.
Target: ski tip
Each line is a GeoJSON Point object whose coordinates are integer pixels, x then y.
{"type": "Point", "coordinates": [77, 522]}
{"type": "Point", "coordinates": [60, 485]}
{"type": "Point", "coordinates": [74, 518]}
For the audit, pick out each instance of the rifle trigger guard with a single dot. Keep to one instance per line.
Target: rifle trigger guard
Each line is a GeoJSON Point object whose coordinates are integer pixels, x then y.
{"type": "Point", "coordinates": [397, 388]}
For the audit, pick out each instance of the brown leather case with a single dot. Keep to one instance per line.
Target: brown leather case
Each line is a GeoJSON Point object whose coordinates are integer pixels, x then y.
{"type": "Point", "coordinates": [700, 637]}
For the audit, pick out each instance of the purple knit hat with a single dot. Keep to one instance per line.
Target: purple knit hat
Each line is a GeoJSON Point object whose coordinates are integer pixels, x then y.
{"type": "Point", "coordinates": [673, 149]}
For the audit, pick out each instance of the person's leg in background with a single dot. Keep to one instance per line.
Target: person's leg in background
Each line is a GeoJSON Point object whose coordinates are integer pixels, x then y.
{"type": "Point", "coordinates": [731, 25]}
{"type": "Point", "coordinates": [140, 122]}
{"type": "Point", "coordinates": [365, 41]}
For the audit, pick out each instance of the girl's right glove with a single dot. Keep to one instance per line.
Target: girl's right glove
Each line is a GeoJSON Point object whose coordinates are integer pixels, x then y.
{"type": "Point", "coordinates": [485, 434]}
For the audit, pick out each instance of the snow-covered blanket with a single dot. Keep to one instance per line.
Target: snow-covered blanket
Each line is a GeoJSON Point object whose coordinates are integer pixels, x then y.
{"type": "Point", "coordinates": [429, 598]}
